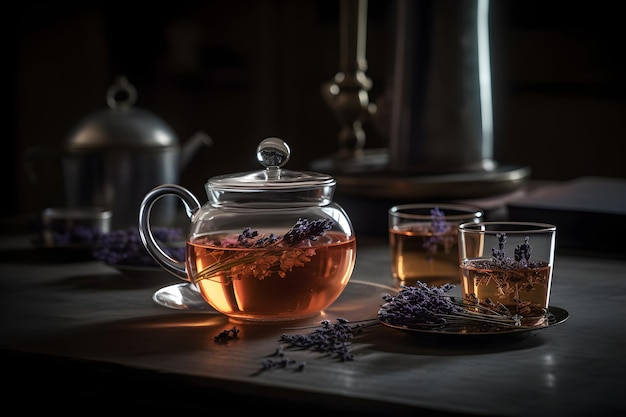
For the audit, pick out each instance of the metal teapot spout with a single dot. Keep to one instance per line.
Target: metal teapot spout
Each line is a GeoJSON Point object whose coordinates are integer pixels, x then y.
{"type": "Point", "coordinates": [192, 146]}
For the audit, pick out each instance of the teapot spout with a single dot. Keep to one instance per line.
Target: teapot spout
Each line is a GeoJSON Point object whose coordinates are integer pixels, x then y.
{"type": "Point", "coordinates": [192, 146]}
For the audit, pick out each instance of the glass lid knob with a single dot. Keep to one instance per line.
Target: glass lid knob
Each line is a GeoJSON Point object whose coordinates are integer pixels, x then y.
{"type": "Point", "coordinates": [273, 153]}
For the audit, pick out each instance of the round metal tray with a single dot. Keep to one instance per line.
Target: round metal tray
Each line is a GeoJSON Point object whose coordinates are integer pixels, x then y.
{"type": "Point", "coordinates": [369, 176]}
{"type": "Point", "coordinates": [387, 185]}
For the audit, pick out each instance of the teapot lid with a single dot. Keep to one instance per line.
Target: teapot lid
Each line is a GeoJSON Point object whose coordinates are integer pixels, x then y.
{"type": "Point", "coordinates": [121, 125]}
{"type": "Point", "coordinates": [273, 184]}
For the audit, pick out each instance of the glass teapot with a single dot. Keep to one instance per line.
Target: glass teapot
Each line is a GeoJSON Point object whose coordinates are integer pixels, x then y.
{"type": "Point", "coordinates": [269, 245]}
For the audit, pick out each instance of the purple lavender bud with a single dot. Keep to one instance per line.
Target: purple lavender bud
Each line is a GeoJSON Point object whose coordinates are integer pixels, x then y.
{"type": "Point", "coordinates": [523, 251]}
{"type": "Point", "coordinates": [438, 224]}
{"type": "Point", "coordinates": [303, 230]}
{"type": "Point", "coordinates": [500, 254]}
{"type": "Point", "coordinates": [124, 247]}
{"type": "Point", "coordinates": [418, 304]}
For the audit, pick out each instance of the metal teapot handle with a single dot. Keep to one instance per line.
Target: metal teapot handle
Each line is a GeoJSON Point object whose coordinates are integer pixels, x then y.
{"type": "Point", "coordinates": [192, 205]}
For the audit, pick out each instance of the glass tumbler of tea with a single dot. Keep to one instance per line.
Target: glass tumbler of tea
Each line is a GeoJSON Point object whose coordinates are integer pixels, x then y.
{"type": "Point", "coordinates": [508, 265]}
{"type": "Point", "coordinates": [424, 241]}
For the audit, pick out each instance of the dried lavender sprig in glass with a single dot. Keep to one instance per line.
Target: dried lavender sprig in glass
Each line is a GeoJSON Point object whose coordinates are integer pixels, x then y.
{"type": "Point", "coordinates": [438, 226]}
{"type": "Point", "coordinates": [522, 253]}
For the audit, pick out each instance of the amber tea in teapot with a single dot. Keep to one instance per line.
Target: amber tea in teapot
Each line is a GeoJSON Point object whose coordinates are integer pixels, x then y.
{"type": "Point", "coordinates": [269, 245]}
{"type": "Point", "coordinates": [258, 280]}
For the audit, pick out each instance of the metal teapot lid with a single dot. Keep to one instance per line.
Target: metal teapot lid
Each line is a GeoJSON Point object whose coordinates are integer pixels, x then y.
{"type": "Point", "coordinates": [273, 185]}
{"type": "Point", "coordinates": [121, 126]}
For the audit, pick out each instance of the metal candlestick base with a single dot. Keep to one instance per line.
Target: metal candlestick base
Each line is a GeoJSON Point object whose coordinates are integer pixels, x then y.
{"type": "Point", "coordinates": [369, 176]}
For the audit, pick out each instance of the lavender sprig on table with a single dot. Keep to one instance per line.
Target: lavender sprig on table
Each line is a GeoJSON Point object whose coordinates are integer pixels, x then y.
{"type": "Point", "coordinates": [228, 334]}
{"type": "Point", "coordinates": [417, 306]}
{"type": "Point", "coordinates": [78, 234]}
{"type": "Point", "coordinates": [124, 247]}
{"type": "Point", "coordinates": [423, 306]}
{"type": "Point", "coordinates": [333, 339]}
{"type": "Point", "coordinates": [419, 303]}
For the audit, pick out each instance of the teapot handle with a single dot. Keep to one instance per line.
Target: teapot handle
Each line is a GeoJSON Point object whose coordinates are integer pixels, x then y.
{"type": "Point", "coordinates": [192, 205]}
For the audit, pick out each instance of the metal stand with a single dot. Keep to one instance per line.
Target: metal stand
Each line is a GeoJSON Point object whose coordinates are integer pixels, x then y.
{"type": "Point", "coordinates": [440, 130]}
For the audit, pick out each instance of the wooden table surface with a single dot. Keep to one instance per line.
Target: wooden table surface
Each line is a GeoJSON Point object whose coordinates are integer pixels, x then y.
{"type": "Point", "coordinates": [78, 328]}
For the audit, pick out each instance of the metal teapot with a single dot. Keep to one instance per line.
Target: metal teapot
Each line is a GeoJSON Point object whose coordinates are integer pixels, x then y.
{"type": "Point", "coordinates": [114, 156]}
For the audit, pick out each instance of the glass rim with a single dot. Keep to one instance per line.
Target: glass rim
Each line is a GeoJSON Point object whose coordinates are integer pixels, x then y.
{"type": "Point", "coordinates": [468, 211]}
{"type": "Point", "coordinates": [508, 227]}
{"type": "Point", "coordinates": [86, 212]}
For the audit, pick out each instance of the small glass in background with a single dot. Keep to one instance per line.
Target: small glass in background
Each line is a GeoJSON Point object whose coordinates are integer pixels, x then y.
{"type": "Point", "coordinates": [73, 226]}
{"type": "Point", "coordinates": [508, 264]}
{"type": "Point", "coordinates": [424, 241]}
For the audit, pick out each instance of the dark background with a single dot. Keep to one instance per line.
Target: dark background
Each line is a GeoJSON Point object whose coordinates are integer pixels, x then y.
{"type": "Point", "coordinates": [244, 70]}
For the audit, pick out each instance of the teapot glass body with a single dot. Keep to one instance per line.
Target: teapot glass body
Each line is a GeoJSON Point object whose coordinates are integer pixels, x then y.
{"type": "Point", "coordinates": [264, 253]}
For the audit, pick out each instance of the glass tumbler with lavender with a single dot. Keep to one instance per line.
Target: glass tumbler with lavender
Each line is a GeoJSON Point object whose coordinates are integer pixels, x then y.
{"type": "Point", "coordinates": [508, 265]}
{"type": "Point", "coordinates": [424, 241]}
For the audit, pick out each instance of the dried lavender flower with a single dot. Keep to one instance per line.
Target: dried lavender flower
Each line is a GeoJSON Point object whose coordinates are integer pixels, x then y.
{"type": "Point", "coordinates": [499, 259]}
{"type": "Point", "coordinates": [510, 275]}
{"type": "Point", "coordinates": [500, 254]}
{"type": "Point", "coordinates": [226, 335]}
{"type": "Point", "coordinates": [439, 224]}
{"type": "Point", "coordinates": [282, 361]}
{"type": "Point", "coordinates": [303, 230]}
{"type": "Point", "coordinates": [438, 227]}
{"type": "Point", "coordinates": [124, 247]}
{"type": "Point", "coordinates": [332, 338]}
{"type": "Point", "coordinates": [275, 258]}
{"type": "Point", "coordinates": [77, 234]}
{"type": "Point", "coordinates": [523, 251]}
{"type": "Point", "coordinates": [419, 303]}
{"type": "Point", "coordinates": [422, 306]}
